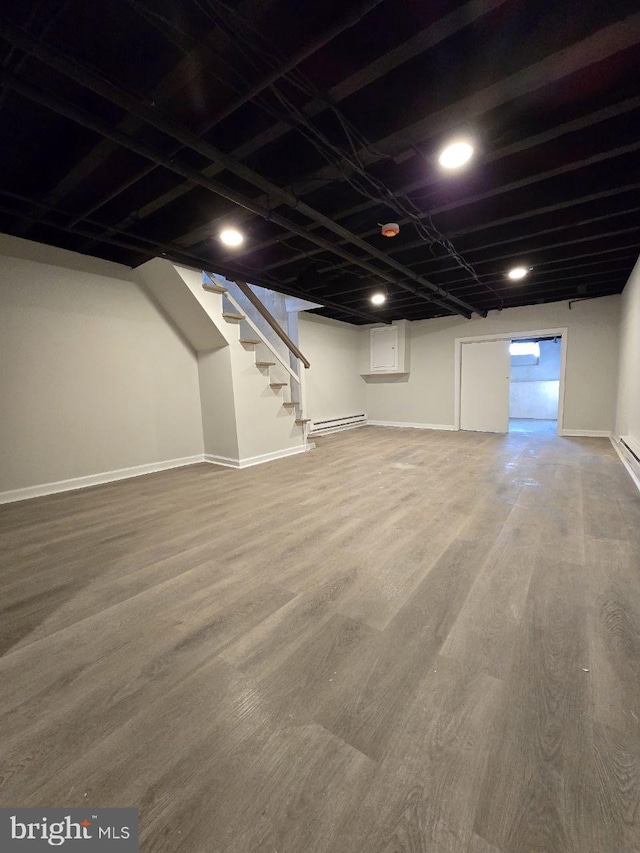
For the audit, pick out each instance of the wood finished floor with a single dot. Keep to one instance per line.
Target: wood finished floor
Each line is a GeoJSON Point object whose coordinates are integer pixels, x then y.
{"type": "Point", "coordinates": [404, 641]}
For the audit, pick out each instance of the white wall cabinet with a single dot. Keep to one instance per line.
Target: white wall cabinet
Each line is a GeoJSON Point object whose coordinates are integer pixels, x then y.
{"type": "Point", "coordinates": [388, 351]}
{"type": "Point", "coordinates": [384, 348]}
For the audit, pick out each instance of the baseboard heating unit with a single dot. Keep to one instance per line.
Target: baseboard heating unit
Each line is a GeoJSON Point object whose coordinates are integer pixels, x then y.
{"type": "Point", "coordinates": [628, 450]}
{"type": "Point", "coordinates": [335, 424]}
{"type": "Point", "coordinates": [632, 455]}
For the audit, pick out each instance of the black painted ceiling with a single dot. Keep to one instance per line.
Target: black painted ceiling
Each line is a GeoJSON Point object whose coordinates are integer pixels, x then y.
{"type": "Point", "coordinates": [138, 128]}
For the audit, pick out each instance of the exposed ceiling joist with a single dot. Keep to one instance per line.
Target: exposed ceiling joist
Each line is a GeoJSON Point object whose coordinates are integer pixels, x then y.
{"type": "Point", "coordinates": [177, 256]}
{"type": "Point", "coordinates": [595, 48]}
{"type": "Point", "coordinates": [501, 190]}
{"type": "Point", "coordinates": [192, 53]}
{"type": "Point", "coordinates": [424, 40]}
{"type": "Point", "coordinates": [136, 107]}
{"type": "Point", "coordinates": [554, 156]}
{"type": "Point", "coordinates": [517, 255]}
{"type": "Point", "coordinates": [339, 27]}
{"type": "Point", "coordinates": [529, 236]}
{"type": "Point", "coordinates": [599, 46]}
{"type": "Point", "coordinates": [80, 116]}
{"type": "Point", "coordinates": [582, 123]}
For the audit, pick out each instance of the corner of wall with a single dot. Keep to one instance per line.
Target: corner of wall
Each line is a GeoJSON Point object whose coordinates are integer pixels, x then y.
{"type": "Point", "coordinates": [219, 426]}
{"type": "Point", "coordinates": [627, 415]}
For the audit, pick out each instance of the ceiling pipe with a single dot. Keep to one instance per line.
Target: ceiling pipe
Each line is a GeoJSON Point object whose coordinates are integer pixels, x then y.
{"type": "Point", "coordinates": [85, 77]}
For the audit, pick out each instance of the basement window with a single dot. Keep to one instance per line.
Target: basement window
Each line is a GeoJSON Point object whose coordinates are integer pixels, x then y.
{"type": "Point", "coordinates": [524, 352]}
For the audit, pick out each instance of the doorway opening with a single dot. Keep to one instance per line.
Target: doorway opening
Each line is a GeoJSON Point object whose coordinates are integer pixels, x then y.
{"type": "Point", "coordinates": [534, 384]}
{"type": "Point", "coordinates": [482, 382]}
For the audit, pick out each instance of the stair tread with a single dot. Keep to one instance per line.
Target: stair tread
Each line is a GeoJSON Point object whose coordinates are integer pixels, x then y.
{"type": "Point", "coordinates": [289, 405]}
{"type": "Point", "coordinates": [214, 288]}
{"type": "Point", "coordinates": [265, 363]}
{"type": "Point", "coordinates": [277, 384]}
{"type": "Point", "coordinates": [303, 420]}
{"type": "Point", "coordinates": [250, 341]}
{"type": "Point", "coordinates": [228, 315]}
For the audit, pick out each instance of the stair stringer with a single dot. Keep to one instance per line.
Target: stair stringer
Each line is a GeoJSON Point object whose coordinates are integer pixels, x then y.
{"type": "Point", "coordinates": [172, 288]}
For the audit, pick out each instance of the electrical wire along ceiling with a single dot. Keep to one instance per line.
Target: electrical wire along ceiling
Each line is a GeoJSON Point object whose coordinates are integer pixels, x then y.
{"type": "Point", "coordinates": [387, 159]}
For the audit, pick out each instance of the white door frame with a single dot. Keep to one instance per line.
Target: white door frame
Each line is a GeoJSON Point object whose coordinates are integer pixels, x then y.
{"type": "Point", "coordinates": [561, 333]}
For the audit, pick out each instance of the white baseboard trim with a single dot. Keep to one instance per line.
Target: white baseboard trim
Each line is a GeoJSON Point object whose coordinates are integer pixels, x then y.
{"type": "Point", "coordinates": [95, 479]}
{"type": "Point", "coordinates": [587, 433]}
{"type": "Point", "coordinates": [411, 425]}
{"type": "Point", "coordinates": [221, 460]}
{"type": "Point", "coordinates": [255, 460]}
{"type": "Point", "coordinates": [86, 482]}
{"type": "Point", "coordinates": [627, 462]}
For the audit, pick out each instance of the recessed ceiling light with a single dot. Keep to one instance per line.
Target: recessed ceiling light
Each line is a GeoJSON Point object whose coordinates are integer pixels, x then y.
{"type": "Point", "coordinates": [517, 273]}
{"type": "Point", "coordinates": [456, 155]}
{"type": "Point", "coordinates": [231, 237]}
{"type": "Point", "coordinates": [378, 298]}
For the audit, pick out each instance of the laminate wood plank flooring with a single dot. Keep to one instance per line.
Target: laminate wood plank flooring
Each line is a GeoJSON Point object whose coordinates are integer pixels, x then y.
{"type": "Point", "coordinates": [402, 642]}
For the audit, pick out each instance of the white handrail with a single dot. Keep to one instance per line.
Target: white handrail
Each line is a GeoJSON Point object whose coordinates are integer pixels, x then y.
{"type": "Point", "coordinates": [261, 335]}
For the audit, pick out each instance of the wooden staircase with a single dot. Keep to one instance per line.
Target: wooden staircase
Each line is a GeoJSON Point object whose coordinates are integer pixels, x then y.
{"type": "Point", "coordinates": [273, 368]}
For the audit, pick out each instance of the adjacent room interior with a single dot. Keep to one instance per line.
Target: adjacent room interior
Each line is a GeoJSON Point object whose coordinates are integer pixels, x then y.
{"type": "Point", "coordinates": [320, 423]}
{"type": "Point", "coordinates": [534, 384]}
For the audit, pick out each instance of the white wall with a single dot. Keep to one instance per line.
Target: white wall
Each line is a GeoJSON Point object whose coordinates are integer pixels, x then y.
{"type": "Point", "coordinates": [534, 400]}
{"type": "Point", "coordinates": [219, 426]}
{"type": "Point", "coordinates": [93, 378]}
{"type": "Point", "coordinates": [628, 410]}
{"type": "Point", "coordinates": [264, 425]}
{"type": "Point", "coordinates": [426, 396]}
{"type": "Point", "coordinates": [334, 385]}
